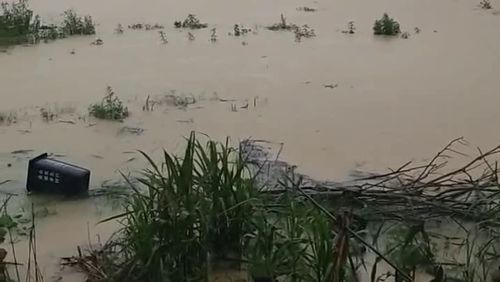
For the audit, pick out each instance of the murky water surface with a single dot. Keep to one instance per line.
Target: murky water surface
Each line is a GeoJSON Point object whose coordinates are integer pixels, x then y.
{"type": "Point", "coordinates": [386, 100]}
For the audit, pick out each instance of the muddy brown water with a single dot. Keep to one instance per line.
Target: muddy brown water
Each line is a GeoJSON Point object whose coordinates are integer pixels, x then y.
{"type": "Point", "coordinates": [394, 100]}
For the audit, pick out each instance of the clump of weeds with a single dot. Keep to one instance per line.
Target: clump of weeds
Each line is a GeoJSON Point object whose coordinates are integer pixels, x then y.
{"type": "Point", "coordinates": [191, 22]}
{"type": "Point", "coordinates": [163, 37]}
{"type": "Point", "coordinates": [303, 32]}
{"type": "Point", "coordinates": [485, 4]}
{"type": "Point", "coordinates": [239, 30]}
{"type": "Point", "coordinates": [386, 26]}
{"type": "Point", "coordinates": [7, 118]}
{"type": "Point", "coordinates": [119, 29]}
{"type": "Point", "coordinates": [213, 36]}
{"type": "Point", "coordinates": [110, 108]}
{"type": "Point", "coordinates": [351, 28]}
{"type": "Point", "coordinates": [282, 25]}
{"type": "Point", "coordinates": [179, 101]}
{"type": "Point", "coordinates": [47, 114]}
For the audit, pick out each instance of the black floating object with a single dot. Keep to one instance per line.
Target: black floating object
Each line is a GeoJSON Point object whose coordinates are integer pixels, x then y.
{"type": "Point", "coordinates": [53, 176]}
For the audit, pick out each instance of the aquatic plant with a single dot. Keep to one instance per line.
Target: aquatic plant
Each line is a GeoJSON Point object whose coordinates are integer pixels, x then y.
{"type": "Point", "coordinates": [110, 108]}
{"type": "Point", "coordinates": [386, 26]}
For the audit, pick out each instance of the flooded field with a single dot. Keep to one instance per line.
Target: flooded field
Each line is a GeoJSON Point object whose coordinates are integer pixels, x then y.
{"type": "Point", "coordinates": [338, 102]}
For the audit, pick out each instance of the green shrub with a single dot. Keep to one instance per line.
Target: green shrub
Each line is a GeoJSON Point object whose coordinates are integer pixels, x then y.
{"type": "Point", "coordinates": [74, 24]}
{"type": "Point", "coordinates": [110, 108]}
{"type": "Point", "coordinates": [386, 26]}
{"type": "Point", "coordinates": [17, 22]}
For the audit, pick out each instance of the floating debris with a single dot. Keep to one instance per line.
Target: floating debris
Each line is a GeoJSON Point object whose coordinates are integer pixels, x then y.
{"type": "Point", "coordinates": [331, 85]}
{"type": "Point", "coordinates": [131, 130]}
{"type": "Point", "coordinates": [306, 9]}
{"type": "Point", "coordinates": [22, 152]}
{"type": "Point", "coordinates": [191, 36]}
{"type": "Point", "coordinates": [185, 120]}
{"type": "Point", "coordinates": [97, 42]}
{"type": "Point", "coordinates": [138, 26]}
{"type": "Point", "coordinates": [67, 121]}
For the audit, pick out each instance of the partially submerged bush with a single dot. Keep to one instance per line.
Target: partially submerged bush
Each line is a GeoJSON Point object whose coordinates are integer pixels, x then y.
{"type": "Point", "coordinates": [74, 24]}
{"type": "Point", "coordinates": [7, 118]}
{"type": "Point", "coordinates": [110, 108]}
{"type": "Point", "coordinates": [191, 22]}
{"type": "Point", "coordinates": [386, 26]}
{"type": "Point", "coordinates": [18, 24]}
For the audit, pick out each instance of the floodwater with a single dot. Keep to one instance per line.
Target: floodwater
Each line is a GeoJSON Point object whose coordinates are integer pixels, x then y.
{"type": "Point", "coordinates": [391, 100]}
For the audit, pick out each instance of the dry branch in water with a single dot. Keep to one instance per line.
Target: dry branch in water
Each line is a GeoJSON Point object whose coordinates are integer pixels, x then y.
{"type": "Point", "coordinates": [411, 192]}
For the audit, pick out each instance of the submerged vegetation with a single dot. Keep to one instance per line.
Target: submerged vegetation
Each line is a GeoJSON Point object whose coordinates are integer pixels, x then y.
{"type": "Point", "coordinates": [110, 108]}
{"type": "Point", "coordinates": [191, 22]}
{"type": "Point", "coordinates": [74, 24]}
{"type": "Point", "coordinates": [300, 31]}
{"type": "Point", "coordinates": [191, 213]}
{"type": "Point", "coordinates": [282, 25]}
{"type": "Point", "coordinates": [18, 24]}
{"type": "Point", "coordinates": [386, 26]}
{"type": "Point", "coordinates": [485, 4]}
